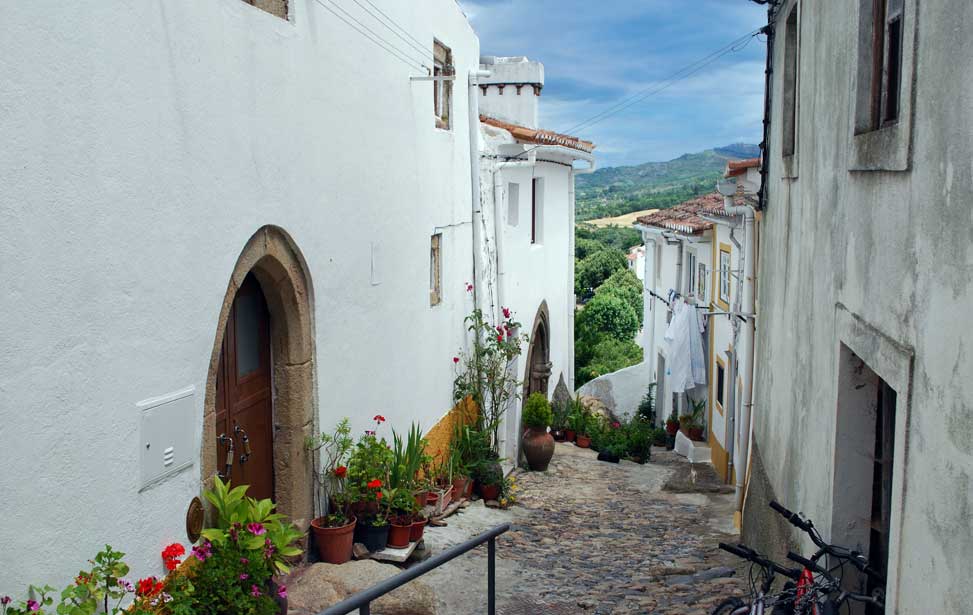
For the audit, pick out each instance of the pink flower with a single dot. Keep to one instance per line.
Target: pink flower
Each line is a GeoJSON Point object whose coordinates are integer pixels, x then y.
{"type": "Point", "coordinates": [257, 529]}
{"type": "Point", "coordinates": [244, 576]}
{"type": "Point", "coordinates": [255, 591]}
{"type": "Point", "coordinates": [5, 600]}
{"type": "Point", "coordinates": [369, 432]}
{"type": "Point", "coordinates": [455, 359]}
{"type": "Point", "coordinates": [33, 605]}
{"type": "Point", "coordinates": [616, 424]}
{"type": "Point", "coordinates": [202, 552]}
{"type": "Point", "coordinates": [282, 592]}
{"type": "Point", "coordinates": [506, 312]}
{"type": "Point", "coordinates": [469, 287]}
{"type": "Point", "coordinates": [244, 561]}
{"type": "Point", "coordinates": [126, 585]}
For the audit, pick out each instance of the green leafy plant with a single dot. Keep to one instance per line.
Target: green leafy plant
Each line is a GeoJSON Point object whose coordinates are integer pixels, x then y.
{"type": "Point", "coordinates": [334, 449]}
{"type": "Point", "coordinates": [579, 417]}
{"type": "Point", "coordinates": [537, 412]}
{"type": "Point", "coordinates": [646, 409]}
{"type": "Point", "coordinates": [483, 373]}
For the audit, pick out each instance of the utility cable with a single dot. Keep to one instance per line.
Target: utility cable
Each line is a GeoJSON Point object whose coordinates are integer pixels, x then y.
{"type": "Point", "coordinates": [387, 47]}
{"type": "Point", "coordinates": [408, 53]}
{"type": "Point", "coordinates": [397, 30]}
{"type": "Point", "coordinates": [679, 75]}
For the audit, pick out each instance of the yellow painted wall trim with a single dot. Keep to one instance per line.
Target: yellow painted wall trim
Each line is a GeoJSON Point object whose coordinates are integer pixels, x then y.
{"type": "Point", "coordinates": [441, 434]}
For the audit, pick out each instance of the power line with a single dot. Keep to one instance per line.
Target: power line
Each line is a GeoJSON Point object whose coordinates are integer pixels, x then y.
{"type": "Point", "coordinates": [408, 38]}
{"type": "Point", "coordinates": [682, 73]}
{"type": "Point", "coordinates": [406, 52]}
{"type": "Point", "coordinates": [387, 47]}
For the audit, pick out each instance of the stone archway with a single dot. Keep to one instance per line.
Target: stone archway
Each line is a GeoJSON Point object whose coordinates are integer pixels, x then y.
{"type": "Point", "coordinates": [277, 264]}
{"type": "Point", "coordinates": [538, 370]}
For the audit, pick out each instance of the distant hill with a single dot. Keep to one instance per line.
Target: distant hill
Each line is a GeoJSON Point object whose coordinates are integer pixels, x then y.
{"type": "Point", "coordinates": [614, 191]}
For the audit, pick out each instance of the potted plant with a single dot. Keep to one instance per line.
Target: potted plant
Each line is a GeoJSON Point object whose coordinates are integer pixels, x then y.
{"type": "Point", "coordinates": [672, 423]}
{"type": "Point", "coordinates": [490, 478]}
{"type": "Point", "coordinates": [373, 531]}
{"type": "Point", "coordinates": [369, 467]}
{"type": "Point", "coordinates": [695, 420]}
{"type": "Point", "coordinates": [537, 443]}
{"type": "Point", "coordinates": [577, 415]}
{"type": "Point", "coordinates": [334, 529]}
{"type": "Point", "coordinates": [401, 508]}
{"type": "Point", "coordinates": [418, 526]}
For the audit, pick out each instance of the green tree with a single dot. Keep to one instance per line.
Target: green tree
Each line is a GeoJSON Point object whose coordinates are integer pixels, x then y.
{"type": "Point", "coordinates": [608, 355]}
{"type": "Point", "coordinates": [625, 285]}
{"type": "Point", "coordinates": [585, 247]}
{"type": "Point", "coordinates": [595, 269]}
{"type": "Point", "coordinates": [609, 314]}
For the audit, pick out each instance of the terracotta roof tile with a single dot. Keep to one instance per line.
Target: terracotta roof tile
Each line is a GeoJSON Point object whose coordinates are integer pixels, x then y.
{"type": "Point", "coordinates": [739, 167]}
{"type": "Point", "coordinates": [538, 136]}
{"type": "Point", "coordinates": [687, 217]}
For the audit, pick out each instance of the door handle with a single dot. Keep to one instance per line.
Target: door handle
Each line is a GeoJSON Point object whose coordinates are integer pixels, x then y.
{"type": "Point", "coordinates": [240, 431]}
{"type": "Point", "coordinates": [228, 468]}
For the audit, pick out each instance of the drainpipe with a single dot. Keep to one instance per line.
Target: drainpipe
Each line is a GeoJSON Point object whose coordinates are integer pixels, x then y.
{"type": "Point", "coordinates": [746, 314]}
{"type": "Point", "coordinates": [474, 130]}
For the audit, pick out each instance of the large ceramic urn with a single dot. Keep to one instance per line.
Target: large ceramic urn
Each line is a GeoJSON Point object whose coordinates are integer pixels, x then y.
{"type": "Point", "coordinates": [538, 448]}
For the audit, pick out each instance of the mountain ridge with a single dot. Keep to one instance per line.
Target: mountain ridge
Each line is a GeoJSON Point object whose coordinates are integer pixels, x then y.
{"type": "Point", "coordinates": [613, 191]}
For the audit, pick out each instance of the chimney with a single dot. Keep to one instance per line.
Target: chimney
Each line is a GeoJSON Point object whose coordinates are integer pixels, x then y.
{"type": "Point", "coordinates": [511, 91]}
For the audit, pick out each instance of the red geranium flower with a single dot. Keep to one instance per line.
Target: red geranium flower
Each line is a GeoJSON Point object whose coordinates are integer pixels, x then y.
{"type": "Point", "coordinates": [379, 419]}
{"type": "Point", "coordinates": [455, 359]}
{"type": "Point", "coordinates": [340, 471]}
{"type": "Point", "coordinates": [375, 484]}
{"type": "Point", "coordinates": [378, 496]}
{"type": "Point", "coordinates": [500, 338]}
{"type": "Point", "coordinates": [148, 586]}
{"type": "Point", "coordinates": [506, 312]}
{"type": "Point", "coordinates": [174, 550]}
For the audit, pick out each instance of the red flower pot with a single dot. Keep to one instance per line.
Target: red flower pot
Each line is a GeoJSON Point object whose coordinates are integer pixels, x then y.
{"type": "Point", "coordinates": [416, 530]}
{"type": "Point", "coordinates": [334, 543]}
{"type": "Point", "coordinates": [422, 498]}
{"type": "Point", "coordinates": [432, 498]}
{"type": "Point", "coordinates": [672, 427]}
{"type": "Point", "coordinates": [582, 441]}
{"type": "Point", "coordinates": [490, 492]}
{"type": "Point", "coordinates": [569, 435]}
{"type": "Point", "coordinates": [399, 535]}
{"type": "Point", "coordinates": [462, 488]}
{"type": "Point", "coordinates": [696, 434]}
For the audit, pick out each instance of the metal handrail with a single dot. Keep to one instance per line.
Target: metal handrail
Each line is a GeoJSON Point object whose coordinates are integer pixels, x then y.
{"type": "Point", "coordinates": [363, 599]}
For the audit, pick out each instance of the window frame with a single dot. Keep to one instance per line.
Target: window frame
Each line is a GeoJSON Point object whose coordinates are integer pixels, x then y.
{"type": "Point", "coordinates": [724, 276]}
{"type": "Point", "coordinates": [436, 269]}
{"type": "Point", "coordinates": [537, 211]}
{"type": "Point", "coordinates": [442, 89]}
{"type": "Point", "coordinates": [719, 384]}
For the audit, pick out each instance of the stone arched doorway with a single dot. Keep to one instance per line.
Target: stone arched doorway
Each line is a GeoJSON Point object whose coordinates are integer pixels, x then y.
{"type": "Point", "coordinates": [270, 271]}
{"type": "Point", "coordinates": [538, 372]}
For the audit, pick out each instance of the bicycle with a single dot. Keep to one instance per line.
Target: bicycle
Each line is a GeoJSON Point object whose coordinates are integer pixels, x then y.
{"type": "Point", "coordinates": [812, 590]}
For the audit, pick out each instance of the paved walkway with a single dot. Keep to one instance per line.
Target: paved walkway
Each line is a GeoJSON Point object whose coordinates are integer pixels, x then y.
{"type": "Point", "coordinates": [595, 537]}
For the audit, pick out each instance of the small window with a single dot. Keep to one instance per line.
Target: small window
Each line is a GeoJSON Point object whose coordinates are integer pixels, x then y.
{"type": "Point", "coordinates": [725, 274]}
{"type": "Point", "coordinates": [884, 62]}
{"type": "Point", "coordinates": [274, 7]}
{"type": "Point", "coordinates": [435, 270]}
{"type": "Point", "coordinates": [513, 204]}
{"type": "Point", "coordinates": [789, 99]}
{"type": "Point", "coordinates": [537, 211]}
{"type": "Point", "coordinates": [720, 382]}
{"type": "Point", "coordinates": [691, 274]}
{"type": "Point", "coordinates": [442, 88]}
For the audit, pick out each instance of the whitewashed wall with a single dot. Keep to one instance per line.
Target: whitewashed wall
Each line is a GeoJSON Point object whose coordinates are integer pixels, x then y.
{"type": "Point", "coordinates": [144, 144]}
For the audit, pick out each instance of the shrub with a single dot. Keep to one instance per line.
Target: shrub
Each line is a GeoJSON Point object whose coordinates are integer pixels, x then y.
{"type": "Point", "coordinates": [587, 247]}
{"type": "Point", "coordinates": [609, 314]}
{"type": "Point", "coordinates": [605, 356]}
{"type": "Point", "coordinates": [646, 409]}
{"type": "Point", "coordinates": [537, 411]}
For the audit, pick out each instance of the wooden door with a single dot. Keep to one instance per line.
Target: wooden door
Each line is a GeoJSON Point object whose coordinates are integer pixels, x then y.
{"type": "Point", "coordinates": [244, 400]}
{"type": "Point", "coordinates": [538, 360]}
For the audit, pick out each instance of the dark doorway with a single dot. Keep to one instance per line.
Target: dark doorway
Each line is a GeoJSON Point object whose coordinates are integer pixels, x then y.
{"type": "Point", "coordinates": [538, 359]}
{"type": "Point", "coordinates": [244, 396]}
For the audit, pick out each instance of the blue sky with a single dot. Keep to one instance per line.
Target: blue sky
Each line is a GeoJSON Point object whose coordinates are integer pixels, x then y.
{"type": "Point", "coordinates": [597, 53]}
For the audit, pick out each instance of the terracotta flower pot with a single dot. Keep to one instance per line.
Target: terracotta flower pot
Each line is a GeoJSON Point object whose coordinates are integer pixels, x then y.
{"type": "Point", "coordinates": [569, 435]}
{"type": "Point", "coordinates": [582, 442]}
{"type": "Point", "coordinates": [432, 498]}
{"type": "Point", "coordinates": [416, 530]}
{"type": "Point", "coordinates": [422, 498]}
{"type": "Point", "coordinates": [462, 487]}
{"type": "Point", "coordinates": [538, 448]}
{"type": "Point", "coordinates": [490, 492]}
{"type": "Point", "coordinates": [399, 535]}
{"type": "Point", "coordinates": [334, 543]}
{"type": "Point", "coordinates": [672, 428]}
{"type": "Point", "coordinates": [696, 434]}
{"type": "Point", "coordinates": [373, 537]}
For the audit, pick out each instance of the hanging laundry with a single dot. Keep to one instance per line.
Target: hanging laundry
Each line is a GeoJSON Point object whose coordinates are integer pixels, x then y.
{"type": "Point", "coordinates": [685, 359]}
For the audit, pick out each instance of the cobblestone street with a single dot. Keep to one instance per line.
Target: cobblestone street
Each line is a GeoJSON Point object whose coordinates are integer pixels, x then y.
{"type": "Point", "coordinates": [595, 537]}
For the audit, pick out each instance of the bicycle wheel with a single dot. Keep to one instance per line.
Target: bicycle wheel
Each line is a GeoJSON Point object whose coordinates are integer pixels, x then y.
{"type": "Point", "coordinates": [731, 606]}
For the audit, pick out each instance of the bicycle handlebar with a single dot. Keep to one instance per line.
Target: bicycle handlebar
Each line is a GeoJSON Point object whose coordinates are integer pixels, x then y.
{"type": "Point", "coordinates": [745, 552]}
{"type": "Point", "coordinates": [793, 518]}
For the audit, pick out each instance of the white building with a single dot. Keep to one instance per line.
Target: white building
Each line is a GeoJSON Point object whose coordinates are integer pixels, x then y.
{"type": "Point", "coordinates": [221, 216]}
{"type": "Point", "coordinates": [862, 404]}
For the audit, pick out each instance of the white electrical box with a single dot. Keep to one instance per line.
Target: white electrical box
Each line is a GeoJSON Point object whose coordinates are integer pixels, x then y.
{"type": "Point", "coordinates": [166, 432]}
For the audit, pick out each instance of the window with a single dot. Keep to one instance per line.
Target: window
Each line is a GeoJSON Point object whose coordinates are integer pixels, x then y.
{"type": "Point", "coordinates": [724, 295]}
{"type": "Point", "coordinates": [537, 211]}
{"type": "Point", "coordinates": [691, 274]}
{"type": "Point", "coordinates": [789, 99]}
{"type": "Point", "coordinates": [701, 282]}
{"type": "Point", "coordinates": [720, 383]}
{"type": "Point", "coordinates": [886, 63]}
{"type": "Point", "coordinates": [513, 204]}
{"type": "Point", "coordinates": [274, 7]}
{"type": "Point", "coordinates": [442, 88]}
{"type": "Point", "coordinates": [435, 270]}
